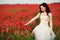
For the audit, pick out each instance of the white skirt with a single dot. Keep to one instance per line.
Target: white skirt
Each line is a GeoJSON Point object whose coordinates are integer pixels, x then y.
{"type": "Point", "coordinates": [42, 32]}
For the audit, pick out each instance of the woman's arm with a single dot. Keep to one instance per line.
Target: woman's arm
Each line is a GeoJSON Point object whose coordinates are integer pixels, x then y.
{"type": "Point", "coordinates": [37, 16]}
{"type": "Point", "coordinates": [50, 16]}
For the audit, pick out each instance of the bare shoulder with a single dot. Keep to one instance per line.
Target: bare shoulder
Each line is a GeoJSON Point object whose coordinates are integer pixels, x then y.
{"type": "Point", "coordinates": [50, 14]}
{"type": "Point", "coordinates": [38, 13]}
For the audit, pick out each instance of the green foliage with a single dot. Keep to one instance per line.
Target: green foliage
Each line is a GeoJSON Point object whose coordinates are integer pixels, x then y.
{"type": "Point", "coordinates": [18, 37]}
{"type": "Point", "coordinates": [12, 37]}
{"type": "Point", "coordinates": [4, 36]}
{"type": "Point", "coordinates": [56, 29]}
{"type": "Point", "coordinates": [57, 36]}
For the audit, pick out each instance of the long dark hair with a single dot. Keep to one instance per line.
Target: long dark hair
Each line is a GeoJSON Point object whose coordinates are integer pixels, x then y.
{"type": "Point", "coordinates": [46, 6]}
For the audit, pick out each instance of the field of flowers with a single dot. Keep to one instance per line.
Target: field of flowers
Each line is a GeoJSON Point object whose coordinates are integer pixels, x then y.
{"type": "Point", "coordinates": [14, 16]}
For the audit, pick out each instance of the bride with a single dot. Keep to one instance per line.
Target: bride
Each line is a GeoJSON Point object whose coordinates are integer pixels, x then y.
{"type": "Point", "coordinates": [43, 31]}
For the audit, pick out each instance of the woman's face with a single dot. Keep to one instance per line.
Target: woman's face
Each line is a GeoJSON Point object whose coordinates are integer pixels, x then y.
{"type": "Point", "coordinates": [43, 8]}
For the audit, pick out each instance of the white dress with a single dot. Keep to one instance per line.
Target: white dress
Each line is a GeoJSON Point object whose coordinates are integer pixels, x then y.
{"type": "Point", "coordinates": [42, 31]}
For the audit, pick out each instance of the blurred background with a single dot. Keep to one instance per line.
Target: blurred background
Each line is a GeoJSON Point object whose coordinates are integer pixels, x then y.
{"type": "Point", "coordinates": [15, 13]}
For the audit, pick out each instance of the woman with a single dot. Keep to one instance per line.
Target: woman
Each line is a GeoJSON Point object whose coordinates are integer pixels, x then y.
{"type": "Point", "coordinates": [43, 31]}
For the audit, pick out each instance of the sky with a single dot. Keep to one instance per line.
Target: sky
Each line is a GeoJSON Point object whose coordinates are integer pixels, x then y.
{"type": "Point", "coordinates": [27, 1]}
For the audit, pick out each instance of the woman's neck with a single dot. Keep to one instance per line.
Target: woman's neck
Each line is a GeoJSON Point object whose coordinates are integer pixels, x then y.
{"type": "Point", "coordinates": [44, 12]}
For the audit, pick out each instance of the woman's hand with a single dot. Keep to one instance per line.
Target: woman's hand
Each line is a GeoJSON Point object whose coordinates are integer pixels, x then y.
{"type": "Point", "coordinates": [25, 24]}
{"type": "Point", "coordinates": [51, 33]}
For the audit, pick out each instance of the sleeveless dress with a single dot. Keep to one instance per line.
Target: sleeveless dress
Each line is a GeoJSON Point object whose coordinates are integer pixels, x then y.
{"type": "Point", "coordinates": [42, 31]}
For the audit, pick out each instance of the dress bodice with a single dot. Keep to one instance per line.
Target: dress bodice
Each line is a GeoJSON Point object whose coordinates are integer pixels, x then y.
{"type": "Point", "coordinates": [44, 18]}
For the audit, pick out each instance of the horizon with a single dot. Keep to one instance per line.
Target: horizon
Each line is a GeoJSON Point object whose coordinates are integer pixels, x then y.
{"type": "Point", "coordinates": [28, 1]}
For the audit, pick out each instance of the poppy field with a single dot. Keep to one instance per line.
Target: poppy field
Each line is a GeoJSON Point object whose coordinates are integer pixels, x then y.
{"type": "Point", "coordinates": [14, 16]}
